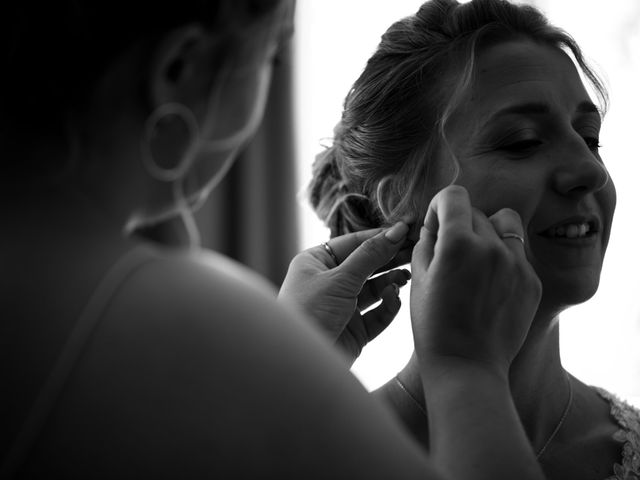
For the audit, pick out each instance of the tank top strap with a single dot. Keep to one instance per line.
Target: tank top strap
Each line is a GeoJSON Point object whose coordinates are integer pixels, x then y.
{"type": "Point", "coordinates": [115, 277]}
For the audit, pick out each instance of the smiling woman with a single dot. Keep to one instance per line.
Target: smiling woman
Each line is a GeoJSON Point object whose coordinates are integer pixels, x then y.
{"type": "Point", "coordinates": [526, 136]}
{"type": "Point", "coordinates": [488, 96]}
{"type": "Point", "coordinates": [608, 323]}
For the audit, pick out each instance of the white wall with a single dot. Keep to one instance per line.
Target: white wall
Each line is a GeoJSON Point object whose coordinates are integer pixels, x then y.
{"type": "Point", "coordinates": [600, 340]}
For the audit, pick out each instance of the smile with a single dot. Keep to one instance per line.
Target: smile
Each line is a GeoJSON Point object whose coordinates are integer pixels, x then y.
{"type": "Point", "coordinates": [573, 229]}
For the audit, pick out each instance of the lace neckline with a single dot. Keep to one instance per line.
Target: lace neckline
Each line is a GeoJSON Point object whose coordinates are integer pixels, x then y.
{"type": "Point", "coordinates": [628, 417]}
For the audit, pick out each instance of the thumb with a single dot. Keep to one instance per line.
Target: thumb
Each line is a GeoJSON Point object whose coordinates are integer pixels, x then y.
{"type": "Point", "coordinates": [375, 252]}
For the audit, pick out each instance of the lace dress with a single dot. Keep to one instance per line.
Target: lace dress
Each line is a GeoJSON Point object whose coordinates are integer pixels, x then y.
{"type": "Point", "coordinates": [628, 418]}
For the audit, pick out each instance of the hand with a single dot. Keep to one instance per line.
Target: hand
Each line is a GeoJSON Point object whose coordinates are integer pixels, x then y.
{"type": "Point", "coordinates": [335, 295]}
{"type": "Point", "coordinates": [473, 294]}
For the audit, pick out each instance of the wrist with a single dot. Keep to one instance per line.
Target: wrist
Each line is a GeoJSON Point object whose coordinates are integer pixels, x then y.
{"type": "Point", "coordinates": [443, 370]}
{"type": "Point", "coordinates": [460, 386]}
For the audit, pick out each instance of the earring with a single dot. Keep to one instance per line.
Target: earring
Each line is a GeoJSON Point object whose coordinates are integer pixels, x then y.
{"type": "Point", "coordinates": [162, 113]}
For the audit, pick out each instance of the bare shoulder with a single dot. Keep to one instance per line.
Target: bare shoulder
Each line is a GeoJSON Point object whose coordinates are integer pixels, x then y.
{"type": "Point", "coordinates": [196, 371]}
{"type": "Point", "coordinates": [206, 297]}
{"type": "Point", "coordinates": [190, 281]}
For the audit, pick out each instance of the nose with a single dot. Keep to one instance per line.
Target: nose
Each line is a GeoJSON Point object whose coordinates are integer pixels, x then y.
{"type": "Point", "coordinates": [580, 172]}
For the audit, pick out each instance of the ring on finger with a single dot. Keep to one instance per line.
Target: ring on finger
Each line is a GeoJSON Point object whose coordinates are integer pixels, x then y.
{"type": "Point", "coordinates": [331, 253]}
{"type": "Point", "coordinates": [504, 236]}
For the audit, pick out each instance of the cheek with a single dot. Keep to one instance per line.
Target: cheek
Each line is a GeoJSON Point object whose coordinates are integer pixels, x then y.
{"type": "Point", "coordinates": [607, 199]}
{"type": "Point", "coordinates": [493, 189]}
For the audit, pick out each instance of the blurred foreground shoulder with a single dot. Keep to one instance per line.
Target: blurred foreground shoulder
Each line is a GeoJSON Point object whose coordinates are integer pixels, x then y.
{"type": "Point", "coordinates": [196, 371]}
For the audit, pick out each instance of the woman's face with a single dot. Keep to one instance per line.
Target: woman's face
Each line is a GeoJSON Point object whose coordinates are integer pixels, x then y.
{"type": "Point", "coordinates": [526, 137]}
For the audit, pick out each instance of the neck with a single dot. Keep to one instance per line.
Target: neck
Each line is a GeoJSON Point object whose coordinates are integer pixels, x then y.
{"type": "Point", "coordinates": [174, 232]}
{"type": "Point", "coordinates": [538, 381]}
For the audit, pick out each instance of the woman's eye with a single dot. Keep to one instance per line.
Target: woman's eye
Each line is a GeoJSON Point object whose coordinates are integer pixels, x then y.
{"type": "Point", "coordinates": [522, 145]}
{"type": "Point", "coordinates": [593, 143]}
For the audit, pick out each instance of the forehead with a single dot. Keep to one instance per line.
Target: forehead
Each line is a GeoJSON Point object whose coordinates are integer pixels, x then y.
{"type": "Point", "coordinates": [524, 72]}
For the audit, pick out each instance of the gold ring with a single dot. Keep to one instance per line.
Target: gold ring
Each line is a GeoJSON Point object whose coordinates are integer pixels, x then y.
{"type": "Point", "coordinates": [331, 253]}
{"type": "Point", "coordinates": [512, 235]}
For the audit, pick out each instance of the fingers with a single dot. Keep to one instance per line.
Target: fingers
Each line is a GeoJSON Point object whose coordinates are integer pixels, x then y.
{"type": "Point", "coordinates": [424, 249]}
{"type": "Point", "coordinates": [374, 287]}
{"type": "Point", "coordinates": [361, 329]}
{"type": "Point", "coordinates": [344, 245]}
{"type": "Point", "coordinates": [508, 227]}
{"type": "Point", "coordinates": [378, 319]}
{"type": "Point", "coordinates": [450, 210]}
{"type": "Point", "coordinates": [373, 253]}
{"type": "Point", "coordinates": [401, 258]}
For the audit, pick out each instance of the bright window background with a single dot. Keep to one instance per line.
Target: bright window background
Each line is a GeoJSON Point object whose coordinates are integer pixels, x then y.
{"type": "Point", "coordinates": [600, 340]}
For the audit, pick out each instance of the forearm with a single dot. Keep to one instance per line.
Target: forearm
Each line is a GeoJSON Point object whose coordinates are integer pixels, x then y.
{"type": "Point", "coordinates": [472, 416]}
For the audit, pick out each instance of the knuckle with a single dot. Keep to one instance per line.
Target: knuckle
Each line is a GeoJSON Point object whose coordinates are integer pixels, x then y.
{"type": "Point", "coordinates": [347, 280]}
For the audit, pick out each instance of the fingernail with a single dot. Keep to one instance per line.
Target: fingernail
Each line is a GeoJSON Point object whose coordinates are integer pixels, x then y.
{"type": "Point", "coordinates": [397, 232]}
{"type": "Point", "coordinates": [407, 273]}
{"type": "Point", "coordinates": [396, 288]}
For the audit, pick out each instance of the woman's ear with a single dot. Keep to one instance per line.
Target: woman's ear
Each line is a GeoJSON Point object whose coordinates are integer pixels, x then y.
{"type": "Point", "coordinates": [227, 97]}
{"type": "Point", "coordinates": [388, 200]}
{"type": "Point", "coordinates": [181, 69]}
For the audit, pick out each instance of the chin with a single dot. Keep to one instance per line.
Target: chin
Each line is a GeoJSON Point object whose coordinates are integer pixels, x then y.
{"type": "Point", "coordinates": [560, 295]}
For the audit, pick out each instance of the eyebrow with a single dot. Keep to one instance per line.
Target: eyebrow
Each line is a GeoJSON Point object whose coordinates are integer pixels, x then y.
{"type": "Point", "coordinates": [538, 108]}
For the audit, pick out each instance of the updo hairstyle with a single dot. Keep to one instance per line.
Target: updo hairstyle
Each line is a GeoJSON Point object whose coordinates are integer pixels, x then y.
{"type": "Point", "coordinates": [377, 170]}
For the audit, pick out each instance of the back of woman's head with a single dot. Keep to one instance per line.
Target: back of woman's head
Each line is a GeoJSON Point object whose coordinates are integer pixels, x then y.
{"type": "Point", "coordinates": [53, 52]}
{"type": "Point", "coordinates": [377, 170]}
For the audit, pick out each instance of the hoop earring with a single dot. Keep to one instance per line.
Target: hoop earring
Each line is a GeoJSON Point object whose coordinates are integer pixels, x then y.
{"type": "Point", "coordinates": [153, 168]}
